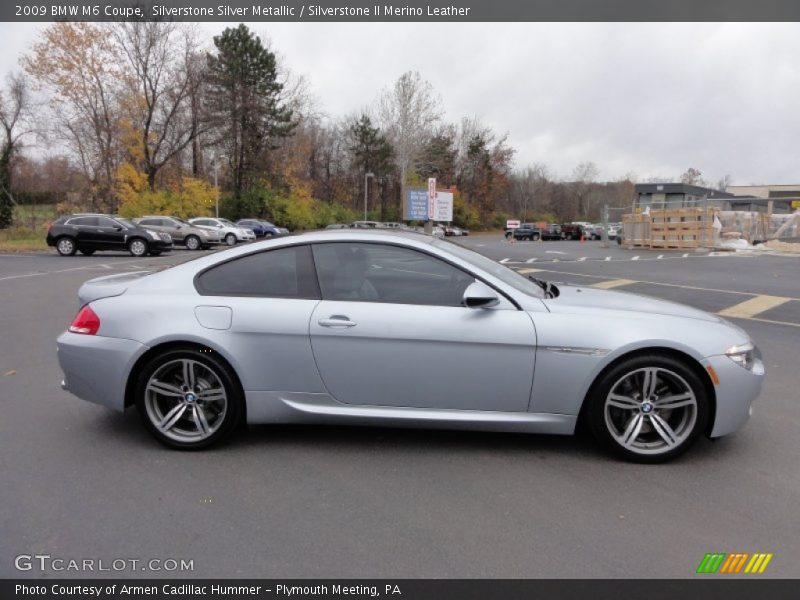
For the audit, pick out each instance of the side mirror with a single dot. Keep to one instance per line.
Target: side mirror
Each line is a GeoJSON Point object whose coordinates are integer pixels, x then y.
{"type": "Point", "coordinates": [480, 295]}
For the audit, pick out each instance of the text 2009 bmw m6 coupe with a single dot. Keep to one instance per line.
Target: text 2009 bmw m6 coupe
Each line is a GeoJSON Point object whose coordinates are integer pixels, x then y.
{"type": "Point", "coordinates": [402, 329]}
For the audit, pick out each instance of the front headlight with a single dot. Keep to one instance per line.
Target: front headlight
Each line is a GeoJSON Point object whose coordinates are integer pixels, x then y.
{"type": "Point", "coordinates": [152, 234]}
{"type": "Point", "coordinates": [745, 355]}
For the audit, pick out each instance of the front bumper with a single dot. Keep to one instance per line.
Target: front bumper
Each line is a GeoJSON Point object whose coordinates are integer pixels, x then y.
{"type": "Point", "coordinates": [96, 368]}
{"type": "Point", "coordinates": [736, 391]}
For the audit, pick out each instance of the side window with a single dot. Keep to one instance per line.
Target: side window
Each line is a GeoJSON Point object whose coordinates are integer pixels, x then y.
{"type": "Point", "coordinates": [202, 222]}
{"type": "Point", "coordinates": [390, 274]}
{"type": "Point", "coordinates": [149, 222]}
{"type": "Point", "coordinates": [280, 273]}
{"type": "Point", "coordinates": [83, 221]}
{"type": "Point", "coordinates": [105, 222]}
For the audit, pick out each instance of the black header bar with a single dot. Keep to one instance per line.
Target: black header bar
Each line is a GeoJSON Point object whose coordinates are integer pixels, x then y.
{"type": "Point", "coordinates": [406, 11]}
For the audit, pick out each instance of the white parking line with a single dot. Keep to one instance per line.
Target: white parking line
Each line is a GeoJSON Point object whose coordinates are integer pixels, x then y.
{"type": "Point", "coordinates": [530, 260]}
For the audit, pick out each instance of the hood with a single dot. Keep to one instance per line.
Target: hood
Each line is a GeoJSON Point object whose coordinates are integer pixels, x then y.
{"type": "Point", "coordinates": [110, 285]}
{"type": "Point", "coordinates": [590, 298]}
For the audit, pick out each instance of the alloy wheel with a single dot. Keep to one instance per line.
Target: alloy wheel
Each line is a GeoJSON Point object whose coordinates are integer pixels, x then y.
{"type": "Point", "coordinates": [650, 411]}
{"type": "Point", "coordinates": [186, 400]}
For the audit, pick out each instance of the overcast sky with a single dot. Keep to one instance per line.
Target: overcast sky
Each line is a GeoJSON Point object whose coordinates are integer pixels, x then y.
{"type": "Point", "coordinates": [646, 99]}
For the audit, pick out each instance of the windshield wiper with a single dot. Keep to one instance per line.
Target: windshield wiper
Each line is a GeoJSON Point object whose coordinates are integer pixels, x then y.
{"type": "Point", "coordinates": [547, 287]}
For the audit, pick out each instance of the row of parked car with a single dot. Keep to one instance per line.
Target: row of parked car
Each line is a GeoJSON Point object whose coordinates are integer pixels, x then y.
{"type": "Point", "coordinates": [439, 229]}
{"type": "Point", "coordinates": [153, 234]}
{"type": "Point", "coordinates": [566, 231]}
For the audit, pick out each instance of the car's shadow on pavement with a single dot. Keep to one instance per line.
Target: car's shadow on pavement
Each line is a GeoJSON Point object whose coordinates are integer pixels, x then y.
{"type": "Point", "coordinates": [128, 428]}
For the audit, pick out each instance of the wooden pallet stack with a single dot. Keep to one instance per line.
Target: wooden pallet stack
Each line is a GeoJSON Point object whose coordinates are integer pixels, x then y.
{"type": "Point", "coordinates": [678, 228]}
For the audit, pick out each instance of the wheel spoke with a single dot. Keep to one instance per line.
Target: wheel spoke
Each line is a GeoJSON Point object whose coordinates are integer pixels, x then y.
{"type": "Point", "coordinates": [188, 373]}
{"type": "Point", "coordinates": [623, 402]}
{"type": "Point", "coordinates": [172, 417]}
{"type": "Point", "coordinates": [164, 389]}
{"type": "Point", "coordinates": [649, 383]}
{"type": "Point", "coordinates": [663, 429]}
{"type": "Point", "coordinates": [676, 401]}
{"type": "Point", "coordinates": [632, 430]}
{"type": "Point", "coordinates": [212, 395]}
{"type": "Point", "coordinates": [200, 421]}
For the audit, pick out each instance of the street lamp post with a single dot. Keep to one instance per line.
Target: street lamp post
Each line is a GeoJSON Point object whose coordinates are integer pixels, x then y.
{"type": "Point", "coordinates": [216, 190]}
{"type": "Point", "coordinates": [367, 177]}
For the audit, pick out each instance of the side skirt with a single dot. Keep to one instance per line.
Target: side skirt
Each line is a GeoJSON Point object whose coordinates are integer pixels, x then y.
{"type": "Point", "coordinates": [297, 407]}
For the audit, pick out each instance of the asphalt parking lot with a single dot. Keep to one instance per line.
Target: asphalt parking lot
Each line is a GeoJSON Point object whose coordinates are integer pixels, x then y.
{"type": "Point", "coordinates": [79, 481]}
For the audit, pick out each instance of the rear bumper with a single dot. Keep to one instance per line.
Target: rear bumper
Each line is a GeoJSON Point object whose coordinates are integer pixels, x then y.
{"type": "Point", "coordinates": [736, 391]}
{"type": "Point", "coordinates": [96, 368]}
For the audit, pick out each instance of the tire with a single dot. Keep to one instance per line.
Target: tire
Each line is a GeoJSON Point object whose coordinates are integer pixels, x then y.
{"type": "Point", "coordinates": [655, 430]}
{"type": "Point", "coordinates": [535, 238]}
{"type": "Point", "coordinates": [230, 239]}
{"type": "Point", "coordinates": [138, 247]}
{"type": "Point", "coordinates": [192, 242]}
{"type": "Point", "coordinates": [196, 400]}
{"type": "Point", "coordinates": [87, 252]}
{"type": "Point", "coordinates": [66, 246]}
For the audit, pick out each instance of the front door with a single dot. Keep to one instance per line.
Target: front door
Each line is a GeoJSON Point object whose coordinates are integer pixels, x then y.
{"type": "Point", "coordinates": [391, 331]}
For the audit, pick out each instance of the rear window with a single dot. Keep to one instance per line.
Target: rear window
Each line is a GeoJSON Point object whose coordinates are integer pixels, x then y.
{"type": "Point", "coordinates": [280, 273]}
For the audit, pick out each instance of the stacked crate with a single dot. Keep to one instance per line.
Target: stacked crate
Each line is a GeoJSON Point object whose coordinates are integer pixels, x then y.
{"type": "Point", "coordinates": [677, 228]}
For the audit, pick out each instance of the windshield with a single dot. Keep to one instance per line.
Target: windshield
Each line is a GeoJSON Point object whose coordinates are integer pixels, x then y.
{"type": "Point", "coordinates": [503, 273]}
{"type": "Point", "coordinates": [125, 222]}
{"type": "Point", "coordinates": [181, 221]}
{"type": "Point", "coordinates": [226, 222]}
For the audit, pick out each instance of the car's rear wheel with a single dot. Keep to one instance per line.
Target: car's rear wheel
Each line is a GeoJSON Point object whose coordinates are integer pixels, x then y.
{"type": "Point", "coordinates": [230, 239]}
{"type": "Point", "coordinates": [535, 237]}
{"type": "Point", "coordinates": [648, 408]}
{"type": "Point", "coordinates": [66, 246]}
{"type": "Point", "coordinates": [192, 242]}
{"type": "Point", "coordinates": [188, 399]}
{"type": "Point", "coordinates": [87, 252]}
{"type": "Point", "coordinates": [137, 247]}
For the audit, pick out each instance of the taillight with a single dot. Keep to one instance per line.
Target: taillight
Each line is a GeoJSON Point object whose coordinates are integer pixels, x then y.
{"type": "Point", "coordinates": [86, 321]}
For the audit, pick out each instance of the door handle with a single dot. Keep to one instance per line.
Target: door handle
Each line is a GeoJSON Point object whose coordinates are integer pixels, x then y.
{"type": "Point", "coordinates": [337, 321]}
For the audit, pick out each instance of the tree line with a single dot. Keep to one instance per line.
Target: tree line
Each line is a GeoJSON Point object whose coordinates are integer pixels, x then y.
{"type": "Point", "coordinates": [149, 117]}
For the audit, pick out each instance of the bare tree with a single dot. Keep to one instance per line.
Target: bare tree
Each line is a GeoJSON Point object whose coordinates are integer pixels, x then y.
{"type": "Point", "coordinates": [15, 104]}
{"type": "Point", "coordinates": [408, 114]}
{"type": "Point", "coordinates": [583, 176]}
{"type": "Point", "coordinates": [161, 77]}
{"type": "Point", "coordinates": [693, 176]}
{"type": "Point", "coordinates": [724, 182]}
{"type": "Point", "coordinates": [78, 66]}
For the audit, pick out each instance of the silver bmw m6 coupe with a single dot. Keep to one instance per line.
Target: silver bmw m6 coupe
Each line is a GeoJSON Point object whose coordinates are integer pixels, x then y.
{"type": "Point", "coordinates": [401, 329]}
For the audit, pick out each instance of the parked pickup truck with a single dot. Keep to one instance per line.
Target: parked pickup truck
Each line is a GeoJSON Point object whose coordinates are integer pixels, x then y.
{"type": "Point", "coordinates": [529, 231]}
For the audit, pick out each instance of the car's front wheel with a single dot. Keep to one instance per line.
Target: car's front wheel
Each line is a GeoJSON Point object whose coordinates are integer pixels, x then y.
{"type": "Point", "coordinates": [188, 399]}
{"type": "Point", "coordinates": [648, 408]}
{"type": "Point", "coordinates": [230, 239]}
{"type": "Point", "coordinates": [137, 247]}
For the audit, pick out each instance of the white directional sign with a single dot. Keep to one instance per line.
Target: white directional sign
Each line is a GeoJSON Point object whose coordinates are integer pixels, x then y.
{"type": "Point", "coordinates": [443, 207]}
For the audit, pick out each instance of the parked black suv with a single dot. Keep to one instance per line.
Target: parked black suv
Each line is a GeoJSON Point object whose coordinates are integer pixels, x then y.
{"type": "Point", "coordinates": [91, 232]}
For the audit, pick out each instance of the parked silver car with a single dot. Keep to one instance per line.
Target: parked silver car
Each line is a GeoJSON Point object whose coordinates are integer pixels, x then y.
{"type": "Point", "coordinates": [182, 232]}
{"type": "Point", "coordinates": [230, 233]}
{"type": "Point", "coordinates": [402, 329]}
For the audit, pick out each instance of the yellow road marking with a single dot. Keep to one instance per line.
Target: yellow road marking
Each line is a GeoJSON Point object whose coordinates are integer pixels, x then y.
{"type": "Point", "coordinates": [607, 285]}
{"type": "Point", "coordinates": [753, 306]}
